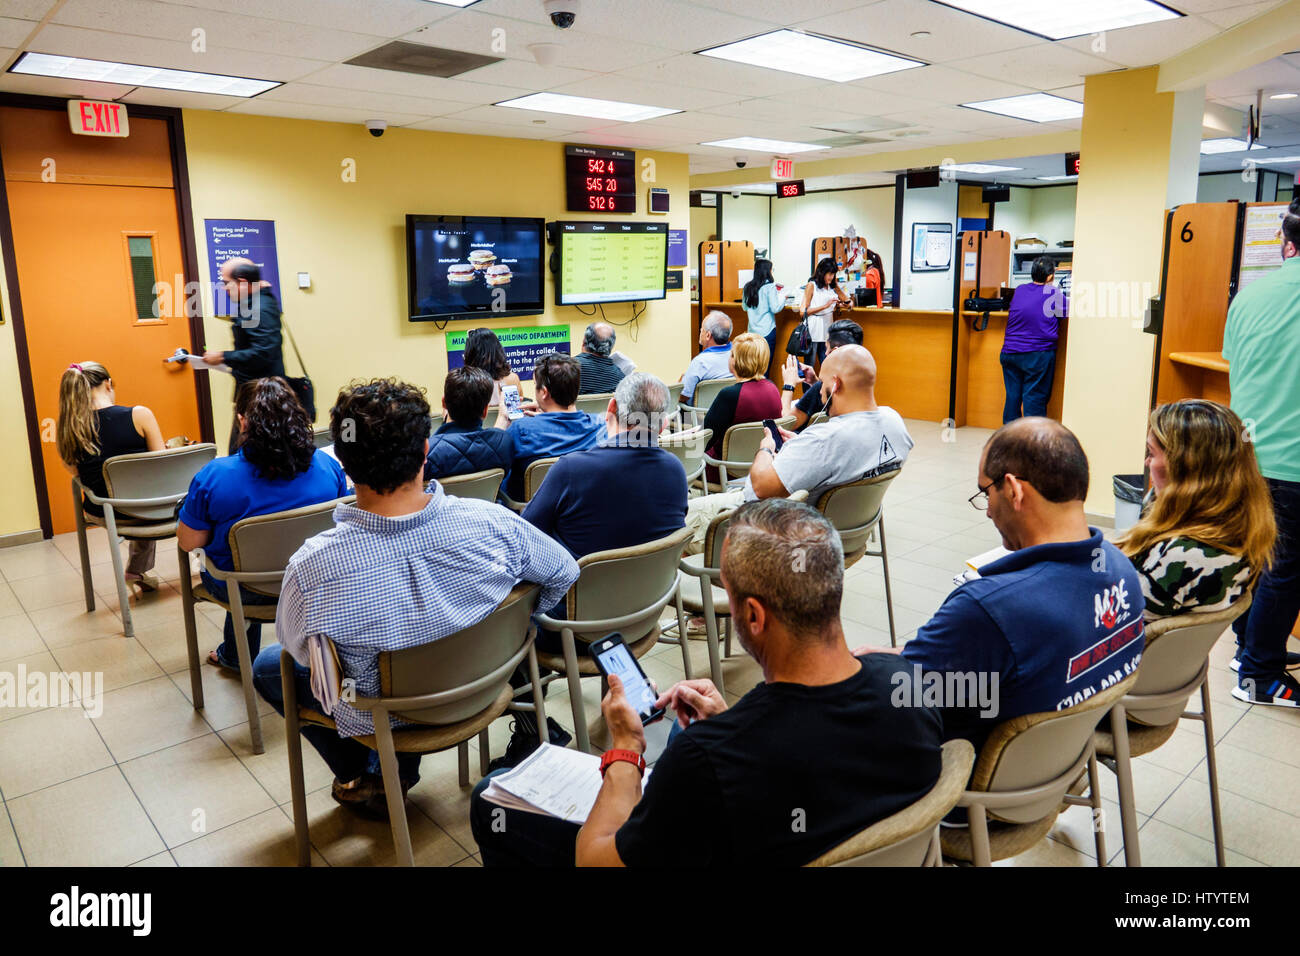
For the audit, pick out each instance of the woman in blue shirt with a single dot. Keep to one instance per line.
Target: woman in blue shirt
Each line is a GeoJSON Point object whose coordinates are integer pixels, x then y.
{"type": "Point", "coordinates": [277, 468]}
{"type": "Point", "coordinates": [762, 302]}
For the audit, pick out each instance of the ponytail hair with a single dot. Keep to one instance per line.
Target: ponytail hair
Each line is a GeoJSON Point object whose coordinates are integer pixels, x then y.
{"type": "Point", "coordinates": [78, 429]}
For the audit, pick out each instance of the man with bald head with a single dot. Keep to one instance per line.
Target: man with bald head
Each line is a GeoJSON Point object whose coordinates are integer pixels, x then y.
{"type": "Point", "coordinates": [599, 374]}
{"type": "Point", "coordinates": [859, 440]}
{"type": "Point", "coordinates": [1053, 622]}
{"type": "Point", "coordinates": [256, 325]}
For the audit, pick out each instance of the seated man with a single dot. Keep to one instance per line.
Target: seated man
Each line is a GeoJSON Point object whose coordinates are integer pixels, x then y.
{"type": "Point", "coordinates": [859, 440]}
{"type": "Point", "coordinates": [574, 503]}
{"type": "Point", "coordinates": [462, 446]}
{"type": "Point", "coordinates": [1055, 621]}
{"type": "Point", "coordinates": [811, 756]}
{"type": "Point", "coordinates": [552, 426]}
{"type": "Point", "coordinates": [401, 567]}
{"type": "Point", "coordinates": [713, 360]}
{"type": "Point", "coordinates": [841, 332]}
{"type": "Point", "coordinates": [599, 373]}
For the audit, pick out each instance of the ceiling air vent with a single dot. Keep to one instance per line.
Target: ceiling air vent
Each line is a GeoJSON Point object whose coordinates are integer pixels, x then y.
{"type": "Point", "coordinates": [402, 57]}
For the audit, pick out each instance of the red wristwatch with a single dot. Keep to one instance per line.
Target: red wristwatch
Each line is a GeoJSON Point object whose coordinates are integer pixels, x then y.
{"type": "Point", "coordinates": [617, 756]}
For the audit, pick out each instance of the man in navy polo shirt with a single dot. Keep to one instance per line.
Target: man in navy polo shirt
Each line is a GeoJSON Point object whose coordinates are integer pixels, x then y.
{"type": "Point", "coordinates": [1054, 622]}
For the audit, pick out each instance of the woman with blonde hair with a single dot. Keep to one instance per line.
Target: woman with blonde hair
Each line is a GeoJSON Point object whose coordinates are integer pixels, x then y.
{"type": "Point", "coordinates": [93, 428]}
{"type": "Point", "coordinates": [752, 399]}
{"type": "Point", "coordinates": [1208, 532]}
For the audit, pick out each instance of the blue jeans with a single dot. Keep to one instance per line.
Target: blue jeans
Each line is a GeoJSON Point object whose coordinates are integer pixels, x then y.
{"type": "Point", "coordinates": [1028, 380]}
{"type": "Point", "coordinates": [1262, 631]}
{"type": "Point", "coordinates": [228, 652]}
{"type": "Point", "coordinates": [348, 758]}
{"type": "Point", "coordinates": [771, 343]}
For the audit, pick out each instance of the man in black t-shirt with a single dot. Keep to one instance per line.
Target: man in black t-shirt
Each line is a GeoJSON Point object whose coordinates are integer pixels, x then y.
{"type": "Point", "coordinates": [841, 332]}
{"type": "Point", "coordinates": [827, 745]}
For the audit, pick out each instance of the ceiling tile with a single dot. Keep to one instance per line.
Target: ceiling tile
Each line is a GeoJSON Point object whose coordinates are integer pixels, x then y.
{"type": "Point", "coordinates": [526, 75]}
{"type": "Point", "coordinates": [709, 73]}
{"type": "Point", "coordinates": [361, 99]}
{"type": "Point", "coordinates": [181, 100]}
{"type": "Point", "coordinates": [411, 84]}
{"type": "Point", "coordinates": [1238, 14]}
{"type": "Point", "coordinates": [53, 86]}
{"type": "Point", "coordinates": [28, 9]}
{"type": "Point", "coordinates": [827, 104]}
{"type": "Point", "coordinates": [509, 116]}
{"type": "Point", "coordinates": [629, 89]}
{"type": "Point", "coordinates": [945, 84]}
{"type": "Point", "coordinates": [451, 124]}
{"type": "Point", "coordinates": [1040, 66]}
{"type": "Point", "coordinates": [1147, 44]}
{"type": "Point", "coordinates": [671, 24]}
{"type": "Point", "coordinates": [332, 114]}
{"type": "Point", "coordinates": [14, 33]}
{"type": "Point", "coordinates": [390, 18]}
{"type": "Point", "coordinates": [779, 12]}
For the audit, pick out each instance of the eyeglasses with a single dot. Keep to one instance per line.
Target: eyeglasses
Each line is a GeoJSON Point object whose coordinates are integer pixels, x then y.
{"type": "Point", "coordinates": [980, 500]}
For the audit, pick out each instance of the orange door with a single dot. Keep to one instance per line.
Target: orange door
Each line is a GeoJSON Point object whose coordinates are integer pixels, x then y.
{"type": "Point", "coordinates": [84, 251]}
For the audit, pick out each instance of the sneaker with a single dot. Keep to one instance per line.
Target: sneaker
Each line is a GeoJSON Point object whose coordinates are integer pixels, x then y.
{"type": "Point", "coordinates": [524, 741]}
{"type": "Point", "coordinates": [1281, 692]}
{"type": "Point", "coordinates": [1292, 660]}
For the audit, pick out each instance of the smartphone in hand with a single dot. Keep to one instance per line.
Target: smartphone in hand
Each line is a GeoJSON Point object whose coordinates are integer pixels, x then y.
{"type": "Point", "coordinates": [775, 432]}
{"type": "Point", "coordinates": [613, 657]}
{"type": "Point", "coordinates": [510, 398]}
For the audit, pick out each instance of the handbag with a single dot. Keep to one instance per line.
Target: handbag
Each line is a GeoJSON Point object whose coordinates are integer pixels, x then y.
{"type": "Point", "coordinates": [302, 387]}
{"type": "Point", "coordinates": [800, 342]}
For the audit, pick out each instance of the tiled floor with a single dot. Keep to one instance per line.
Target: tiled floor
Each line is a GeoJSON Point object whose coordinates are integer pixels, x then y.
{"type": "Point", "coordinates": [152, 782]}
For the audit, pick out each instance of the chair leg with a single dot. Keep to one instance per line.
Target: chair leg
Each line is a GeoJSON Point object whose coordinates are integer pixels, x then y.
{"type": "Point", "coordinates": [84, 549]}
{"type": "Point", "coordinates": [289, 690]}
{"type": "Point", "coordinates": [115, 549]}
{"type": "Point", "coordinates": [889, 596]}
{"type": "Point", "coordinates": [246, 670]}
{"type": "Point", "coordinates": [1098, 817]}
{"type": "Point", "coordinates": [1124, 780]}
{"type": "Point", "coordinates": [681, 635]}
{"type": "Point", "coordinates": [1212, 769]}
{"type": "Point", "coordinates": [462, 762]}
{"type": "Point", "coordinates": [484, 757]}
{"type": "Point", "coordinates": [575, 693]}
{"type": "Point", "coordinates": [726, 630]}
{"type": "Point", "coordinates": [539, 701]}
{"type": "Point", "coordinates": [393, 789]}
{"type": "Point", "coordinates": [711, 634]}
{"type": "Point", "coordinates": [979, 836]}
{"type": "Point", "coordinates": [191, 635]}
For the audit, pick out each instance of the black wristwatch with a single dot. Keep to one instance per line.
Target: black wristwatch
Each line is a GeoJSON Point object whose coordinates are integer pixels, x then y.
{"type": "Point", "coordinates": [787, 388]}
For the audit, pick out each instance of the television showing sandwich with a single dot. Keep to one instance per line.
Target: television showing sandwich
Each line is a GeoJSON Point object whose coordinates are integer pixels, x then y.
{"type": "Point", "coordinates": [465, 266]}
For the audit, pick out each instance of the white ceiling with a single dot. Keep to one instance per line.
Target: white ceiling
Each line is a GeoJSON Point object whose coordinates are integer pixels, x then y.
{"type": "Point", "coordinates": [641, 51]}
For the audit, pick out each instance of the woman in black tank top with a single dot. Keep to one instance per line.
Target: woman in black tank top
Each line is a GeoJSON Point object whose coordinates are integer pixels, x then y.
{"type": "Point", "coordinates": [93, 428]}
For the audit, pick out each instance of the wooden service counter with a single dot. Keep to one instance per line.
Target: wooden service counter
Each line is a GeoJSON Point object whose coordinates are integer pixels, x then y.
{"type": "Point", "coordinates": [921, 372]}
{"type": "Point", "coordinates": [1199, 375]}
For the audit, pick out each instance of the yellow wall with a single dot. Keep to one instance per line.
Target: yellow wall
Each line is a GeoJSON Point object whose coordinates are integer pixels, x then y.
{"type": "Point", "coordinates": [1118, 236]}
{"type": "Point", "coordinates": [350, 236]}
{"type": "Point", "coordinates": [17, 480]}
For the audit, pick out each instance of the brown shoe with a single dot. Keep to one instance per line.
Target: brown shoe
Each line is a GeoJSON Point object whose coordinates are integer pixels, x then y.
{"type": "Point", "coordinates": [355, 795]}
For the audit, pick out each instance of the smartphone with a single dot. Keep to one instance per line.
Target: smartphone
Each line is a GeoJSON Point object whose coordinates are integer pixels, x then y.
{"type": "Point", "coordinates": [510, 398]}
{"type": "Point", "coordinates": [770, 425]}
{"type": "Point", "coordinates": [613, 657]}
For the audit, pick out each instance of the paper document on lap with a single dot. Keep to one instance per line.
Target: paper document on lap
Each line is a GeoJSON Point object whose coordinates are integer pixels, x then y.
{"type": "Point", "coordinates": [553, 781]}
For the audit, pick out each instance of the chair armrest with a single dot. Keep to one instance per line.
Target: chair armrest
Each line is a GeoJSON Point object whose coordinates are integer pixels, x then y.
{"type": "Point", "coordinates": [130, 502]}
{"type": "Point", "coordinates": [713, 574]}
{"type": "Point", "coordinates": [516, 506]}
{"type": "Point", "coordinates": [609, 623]}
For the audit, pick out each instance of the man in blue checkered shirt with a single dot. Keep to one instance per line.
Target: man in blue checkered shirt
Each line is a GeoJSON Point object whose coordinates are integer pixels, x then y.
{"type": "Point", "coordinates": [402, 567]}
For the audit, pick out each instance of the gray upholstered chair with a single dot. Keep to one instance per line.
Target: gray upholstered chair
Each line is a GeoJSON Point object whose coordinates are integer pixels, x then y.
{"type": "Point", "coordinates": [909, 837]}
{"type": "Point", "coordinates": [857, 512]}
{"type": "Point", "coordinates": [1175, 664]}
{"type": "Point", "coordinates": [144, 495]}
{"type": "Point", "coordinates": [533, 478]}
{"type": "Point", "coordinates": [623, 590]}
{"type": "Point", "coordinates": [479, 484]}
{"type": "Point", "coordinates": [448, 691]}
{"type": "Point", "coordinates": [1027, 770]}
{"type": "Point", "coordinates": [260, 549]}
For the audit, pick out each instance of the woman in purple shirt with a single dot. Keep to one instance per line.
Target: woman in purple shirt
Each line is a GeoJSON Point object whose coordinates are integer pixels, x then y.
{"type": "Point", "coordinates": [1029, 347]}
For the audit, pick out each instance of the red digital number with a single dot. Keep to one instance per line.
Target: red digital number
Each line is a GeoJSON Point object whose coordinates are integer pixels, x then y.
{"type": "Point", "coordinates": [595, 166]}
{"type": "Point", "coordinates": [595, 185]}
{"type": "Point", "coordinates": [611, 185]}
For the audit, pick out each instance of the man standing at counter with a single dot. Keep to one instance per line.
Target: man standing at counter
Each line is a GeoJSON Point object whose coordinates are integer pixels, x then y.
{"type": "Point", "coordinates": [1029, 346]}
{"type": "Point", "coordinates": [1261, 342]}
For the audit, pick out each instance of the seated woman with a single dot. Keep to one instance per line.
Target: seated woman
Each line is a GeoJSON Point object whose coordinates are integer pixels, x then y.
{"type": "Point", "coordinates": [483, 350]}
{"type": "Point", "coordinates": [93, 428]}
{"type": "Point", "coordinates": [277, 468]}
{"type": "Point", "coordinates": [752, 399]}
{"type": "Point", "coordinates": [1208, 532]}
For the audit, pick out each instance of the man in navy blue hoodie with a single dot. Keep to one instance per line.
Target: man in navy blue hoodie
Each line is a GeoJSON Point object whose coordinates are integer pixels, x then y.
{"type": "Point", "coordinates": [462, 446]}
{"type": "Point", "coordinates": [1049, 625]}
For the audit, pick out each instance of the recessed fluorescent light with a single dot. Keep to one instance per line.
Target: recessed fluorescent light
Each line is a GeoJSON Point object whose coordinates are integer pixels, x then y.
{"type": "Point", "coordinates": [1060, 19]}
{"type": "Point", "coordinates": [453, 3]}
{"type": "Point", "coordinates": [1284, 96]}
{"type": "Point", "coordinates": [811, 55]}
{"type": "Point", "coordinates": [1210, 147]}
{"type": "Point", "coordinates": [1276, 160]}
{"type": "Point", "coordinates": [756, 145]}
{"type": "Point", "coordinates": [1055, 179]}
{"type": "Point", "coordinates": [978, 168]}
{"type": "Point", "coordinates": [1036, 107]}
{"type": "Point", "coordinates": [126, 74]}
{"type": "Point", "coordinates": [584, 106]}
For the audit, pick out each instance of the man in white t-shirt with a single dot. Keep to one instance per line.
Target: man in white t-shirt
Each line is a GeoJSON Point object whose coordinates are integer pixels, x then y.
{"type": "Point", "coordinates": [859, 440]}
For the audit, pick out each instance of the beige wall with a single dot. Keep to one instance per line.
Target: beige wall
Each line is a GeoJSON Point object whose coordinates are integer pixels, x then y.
{"type": "Point", "coordinates": [797, 222]}
{"type": "Point", "coordinates": [17, 480]}
{"type": "Point", "coordinates": [350, 237]}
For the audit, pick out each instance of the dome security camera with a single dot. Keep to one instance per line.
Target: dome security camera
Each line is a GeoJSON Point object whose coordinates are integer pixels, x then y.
{"type": "Point", "coordinates": [563, 13]}
{"type": "Point", "coordinates": [741, 161]}
{"type": "Point", "coordinates": [376, 127]}
{"type": "Point", "coordinates": [735, 194]}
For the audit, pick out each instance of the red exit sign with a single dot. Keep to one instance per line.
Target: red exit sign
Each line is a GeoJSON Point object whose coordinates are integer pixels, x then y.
{"type": "Point", "coordinates": [1071, 164]}
{"type": "Point", "coordinates": [790, 189]}
{"type": "Point", "coordinates": [782, 168]}
{"type": "Point", "coordinates": [98, 118]}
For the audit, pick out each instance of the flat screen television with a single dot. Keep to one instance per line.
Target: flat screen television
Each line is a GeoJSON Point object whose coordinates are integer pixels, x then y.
{"type": "Point", "coordinates": [465, 266]}
{"type": "Point", "coordinates": [603, 262]}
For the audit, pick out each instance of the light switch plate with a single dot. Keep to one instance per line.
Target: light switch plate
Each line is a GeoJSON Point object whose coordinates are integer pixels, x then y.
{"type": "Point", "coordinates": [304, 280]}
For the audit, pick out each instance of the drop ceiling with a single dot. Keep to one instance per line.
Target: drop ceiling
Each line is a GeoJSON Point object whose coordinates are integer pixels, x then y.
{"type": "Point", "coordinates": [640, 51]}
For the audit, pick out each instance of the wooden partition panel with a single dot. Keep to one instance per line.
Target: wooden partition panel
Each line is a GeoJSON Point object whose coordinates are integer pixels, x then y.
{"type": "Point", "coordinates": [733, 257]}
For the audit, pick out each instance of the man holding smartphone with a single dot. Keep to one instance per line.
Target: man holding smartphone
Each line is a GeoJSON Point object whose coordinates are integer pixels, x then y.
{"type": "Point", "coordinates": [841, 332]}
{"type": "Point", "coordinates": [813, 755]}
